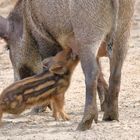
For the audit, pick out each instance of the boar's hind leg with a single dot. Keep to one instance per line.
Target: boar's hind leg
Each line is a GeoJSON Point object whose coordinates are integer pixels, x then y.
{"type": "Point", "coordinates": [116, 62]}
{"type": "Point", "coordinates": [102, 86]}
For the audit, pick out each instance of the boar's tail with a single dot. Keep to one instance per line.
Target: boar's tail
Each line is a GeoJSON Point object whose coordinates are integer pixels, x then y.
{"type": "Point", "coordinates": [115, 5]}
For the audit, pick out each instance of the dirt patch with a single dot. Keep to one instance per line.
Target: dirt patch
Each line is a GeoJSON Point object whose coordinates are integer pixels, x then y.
{"type": "Point", "coordinates": [40, 127]}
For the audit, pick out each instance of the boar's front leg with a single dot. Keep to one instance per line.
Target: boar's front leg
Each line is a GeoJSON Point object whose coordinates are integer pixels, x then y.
{"type": "Point", "coordinates": [89, 32]}
{"type": "Point", "coordinates": [90, 69]}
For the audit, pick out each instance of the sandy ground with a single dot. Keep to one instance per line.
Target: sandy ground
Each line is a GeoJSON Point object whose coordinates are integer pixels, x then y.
{"type": "Point", "coordinates": [30, 126]}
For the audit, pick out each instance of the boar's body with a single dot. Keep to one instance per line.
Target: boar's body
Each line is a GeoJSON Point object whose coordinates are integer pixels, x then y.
{"type": "Point", "coordinates": [11, 29]}
{"type": "Point", "coordinates": [81, 25]}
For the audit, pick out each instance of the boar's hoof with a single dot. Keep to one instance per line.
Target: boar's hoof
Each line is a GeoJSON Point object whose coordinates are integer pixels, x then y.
{"type": "Point", "coordinates": [86, 123]}
{"type": "Point", "coordinates": [110, 116]}
{"type": "Point", "coordinates": [110, 113]}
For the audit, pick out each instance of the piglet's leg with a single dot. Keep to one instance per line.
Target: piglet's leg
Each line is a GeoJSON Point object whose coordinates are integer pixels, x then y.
{"type": "Point", "coordinates": [1, 114]}
{"type": "Point", "coordinates": [58, 107]}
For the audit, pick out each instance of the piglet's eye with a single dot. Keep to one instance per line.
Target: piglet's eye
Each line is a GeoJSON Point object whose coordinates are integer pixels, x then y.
{"type": "Point", "coordinates": [7, 47]}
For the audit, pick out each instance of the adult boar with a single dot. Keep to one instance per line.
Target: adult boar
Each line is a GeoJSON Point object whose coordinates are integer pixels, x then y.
{"type": "Point", "coordinates": [11, 30]}
{"type": "Point", "coordinates": [81, 25]}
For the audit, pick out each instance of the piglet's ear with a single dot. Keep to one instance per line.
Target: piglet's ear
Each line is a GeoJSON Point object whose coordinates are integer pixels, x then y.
{"type": "Point", "coordinates": [4, 27]}
{"type": "Point", "coordinates": [57, 69]}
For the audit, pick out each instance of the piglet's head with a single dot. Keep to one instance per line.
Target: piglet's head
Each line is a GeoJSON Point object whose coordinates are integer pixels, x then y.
{"type": "Point", "coordinates": [62, 63]}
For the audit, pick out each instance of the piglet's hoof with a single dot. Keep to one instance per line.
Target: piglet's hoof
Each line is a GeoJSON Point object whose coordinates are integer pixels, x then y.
{"type": "Point", "coordinates": [62, 115]}
{"type": "Point", "coordinates": [38, 109]}
{"type": "Point", "coordinates": [65, 116]}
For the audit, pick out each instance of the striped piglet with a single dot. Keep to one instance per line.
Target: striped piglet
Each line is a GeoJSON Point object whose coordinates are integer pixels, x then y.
{"type": "Point", "coordinates": [48, 86]}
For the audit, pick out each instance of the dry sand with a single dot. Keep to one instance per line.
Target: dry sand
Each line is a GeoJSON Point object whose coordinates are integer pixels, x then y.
{"type": "Point", "coordinates": [30, 126]}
